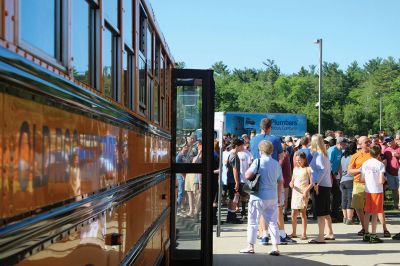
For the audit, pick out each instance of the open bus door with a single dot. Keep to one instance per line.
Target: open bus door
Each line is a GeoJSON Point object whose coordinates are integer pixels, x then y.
{"type": "Point", "coordinates": [192, 166]}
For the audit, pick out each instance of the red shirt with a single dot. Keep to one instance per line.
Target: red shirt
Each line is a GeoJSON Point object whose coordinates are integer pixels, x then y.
{"type": "Point", "coordinates": [392, 166]}
{"type": "Point", "coordinates": [286, 170]}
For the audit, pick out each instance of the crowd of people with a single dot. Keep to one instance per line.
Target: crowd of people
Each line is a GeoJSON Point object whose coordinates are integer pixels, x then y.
{"type": "Point", "coordinates": [332, 174]}
{"type": "Point", "coordinates": [326, 176]}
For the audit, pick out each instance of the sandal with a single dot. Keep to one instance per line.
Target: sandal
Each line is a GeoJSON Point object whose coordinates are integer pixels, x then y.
{"type": "Point", "coordinates": [361, 232]}
{"type": "Point", "coordinates": [386, 233]}
{"type": "Point", "coordinates": [293, 236]}
{"type": "Point", "coordinates": [274, 253]}
{"type": "Point", "coordinates": [314, 241]}
{"type": "Point", "coordinates": [303, 238]}
{"type": "Point", "coordinates": [247, 251]}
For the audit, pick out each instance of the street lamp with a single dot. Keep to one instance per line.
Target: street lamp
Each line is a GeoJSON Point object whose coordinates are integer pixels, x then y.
{"type": "Point", "coordinates": [319, 41]}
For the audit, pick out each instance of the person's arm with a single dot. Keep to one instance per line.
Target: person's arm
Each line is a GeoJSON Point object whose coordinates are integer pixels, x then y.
{"type": "Point", "coordinates": [382, 178]}
{"type": "Point", "coordinates": [280, 188]}
{"type": "Point", "coordinates": [280, 183]}
{"type": "Point", "coordinates": [351, 169]}
{"type": "Point", "coordinates": [236, 173]}
{"type": "Point", "coordinates": [308, 188]}
{"type": "Point", "coordinates": [252, 169]}
{"type": "Point", "coordinates": [281, 156]}
{"type": "Point", "coordinates": [362, 177]}
{"type": "Point", "coordinates": [291, 184]}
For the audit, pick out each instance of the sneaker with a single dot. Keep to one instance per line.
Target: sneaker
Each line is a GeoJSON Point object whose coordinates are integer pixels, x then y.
{"type": "Point", "coordinates": [349, 222]}
{"type": "Point", "coordinates": [366, 237]}
{"type": "Point", "coordinates": [287, 240]}
{"type": "Point", "coordinates": [375, 239]}
{"type": "Point", "coordinates": [396, 237]}
{"type": "Point", "coordinates": [264, 240]}
{"type": "Point", "coordinates": [234, 220]}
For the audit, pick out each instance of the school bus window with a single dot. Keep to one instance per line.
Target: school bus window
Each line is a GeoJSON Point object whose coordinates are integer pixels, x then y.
{"type": "Point", "coordinates": [108, 73]}
{"type": "Point", "coordinates": [150, 103]}
{"type": "Point", "coordinates": [156, 102]}
{"type": "Point", "coordinates": [40, 26]}
{"type": "Point", "coordinates": [142, 31]}
{"type": "Point", "coordinates": [128, 23]}
{"type": "Point", "coordinates": [157, 51]}
{"type": "Point", "coordinates": [162, 93]}
{"type": "Point", "coordinates": [1, 18]}
{"type": "Point", "coordinates": [128, 77]}
{"type": "Point", "coordinates": [142, 85]}
{"type": "Point", "coordinates": [81, 28]}
{"type": "Point", "coordinates": [110, 8]}
{"type": "Point", "coordinates": [149, 48]}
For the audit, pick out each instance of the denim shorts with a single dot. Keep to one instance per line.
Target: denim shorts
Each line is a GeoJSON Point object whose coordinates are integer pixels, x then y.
{"type": "Point", "coordinates": [392, 181]}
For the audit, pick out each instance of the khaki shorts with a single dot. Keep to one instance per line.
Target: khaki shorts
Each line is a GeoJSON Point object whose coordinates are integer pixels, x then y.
{"type": "Point", "coordinates": [190, 182]}
{"type": "Point", "coordinates": [358, 200]}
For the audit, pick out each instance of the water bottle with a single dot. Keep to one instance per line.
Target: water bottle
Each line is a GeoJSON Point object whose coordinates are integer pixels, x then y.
{"type": "Point", "coordinates": [236, 197]}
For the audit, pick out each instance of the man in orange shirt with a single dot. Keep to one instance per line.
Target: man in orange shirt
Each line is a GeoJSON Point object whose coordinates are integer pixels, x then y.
{"type": "Point", "coordinates": [355, 164]}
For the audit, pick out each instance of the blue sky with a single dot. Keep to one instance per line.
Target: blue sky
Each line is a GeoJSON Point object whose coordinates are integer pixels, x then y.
{"type": "Point", "coordinates": [243, 34]}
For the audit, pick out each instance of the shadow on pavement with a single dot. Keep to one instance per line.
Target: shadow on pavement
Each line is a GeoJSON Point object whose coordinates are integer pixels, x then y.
{"type": "Point", "coordinates": [260, 259]}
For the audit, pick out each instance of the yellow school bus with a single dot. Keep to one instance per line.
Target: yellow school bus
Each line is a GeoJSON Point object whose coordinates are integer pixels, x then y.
{"type": "Point", "coordinates": [93, 113]}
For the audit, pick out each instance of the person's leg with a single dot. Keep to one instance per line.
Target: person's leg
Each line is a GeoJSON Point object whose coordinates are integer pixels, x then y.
{"type": "Point", "coordinates": [344, 201]}
{"type": "Point", "coordinates": [336, 200]}
{"type": "Point", "coordinates": [271, 217]}
{"type": "Point", "coordinates": [382, 219]}
{"type": "Point", "coordinates": [252, 222]}
{"type": "Point", "coordinates": [395, 195]}
{"type": "Point", "coordinates": [393, 184]}
{"type": "Point", "coordinates": [304, 222]}
{"type": "Point", "coordinates": [294, 221]}
{"type": "Point", "coordinates": [328, 222]}
{"type": "Point", "coordinates": [181, 186]}
{"type": "Point", "coordinates": [374, 221]}
{"type": "Point", "coordinates": [367, 217]}
{"type": "Point", "coordinates": [349, 214]}
{"type": "Point", "coordinates": [264, 226]}
{"type": "Point", "coordinates": [191, 203]}
{"type": "Point", "coordinates": [321, 228]}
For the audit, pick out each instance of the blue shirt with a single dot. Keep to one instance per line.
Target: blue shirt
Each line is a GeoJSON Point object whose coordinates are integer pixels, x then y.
{"type": "Point", "coordinates": [321, 170]}
{"type": "Point", "coordinates": [270, 173]}
{"type": "Point", "coordinates": [308, 154]}
{"type": "Point", "coordinates": [335, 156]}
{"type": "Point", "coordinates": [276, 142]}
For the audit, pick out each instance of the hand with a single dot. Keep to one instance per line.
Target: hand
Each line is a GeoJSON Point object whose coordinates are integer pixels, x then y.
{"type": "Point", "coordinates": [305, 196]}
{"type": "Point", "coordinates": [291, 184]}
{"type": "Point", "coordinates": [316, 189]}
{"type": "Point", "coordinates": [236, 187]}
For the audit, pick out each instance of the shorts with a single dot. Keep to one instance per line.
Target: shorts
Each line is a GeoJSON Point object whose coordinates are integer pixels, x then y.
{"type": "Point", "coordinates": [373, 203]}
{"type": "Point", "coordinates": [323, 201]}
{"type": "Point", "coordinates": [190, 182]}
{"type": "Point", "coordinates": [358, 199]}
{"type": "Point", "coordinates": [347, 190]}
{"type": "Point", "coordinates": [230, 188]}
{"type": "Point", "coordinates": [392, 181]}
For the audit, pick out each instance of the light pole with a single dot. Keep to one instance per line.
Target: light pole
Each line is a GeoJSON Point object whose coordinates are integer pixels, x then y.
{"type": "Point", "coordinates": [319, 41]}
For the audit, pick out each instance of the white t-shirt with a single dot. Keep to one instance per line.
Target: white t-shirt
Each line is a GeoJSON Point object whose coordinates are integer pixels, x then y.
{"type": "Point", "coordinates": [245, 161]}
{"type": "Point", "coordinates": [370, 171]}
{"type": "Point", "coordinates": [224, 177]}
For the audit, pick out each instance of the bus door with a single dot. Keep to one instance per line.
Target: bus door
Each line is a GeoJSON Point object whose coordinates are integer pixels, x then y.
{"type": "Point", "coordinates": [192, 166]}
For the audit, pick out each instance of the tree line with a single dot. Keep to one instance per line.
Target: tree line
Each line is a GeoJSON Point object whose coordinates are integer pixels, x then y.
{"type": "Point", "coordinates": [350, 98]}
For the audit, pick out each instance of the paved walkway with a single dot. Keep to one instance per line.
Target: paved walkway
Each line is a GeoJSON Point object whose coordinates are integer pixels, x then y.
{"type": "Point", "coordinates": [347, 249]}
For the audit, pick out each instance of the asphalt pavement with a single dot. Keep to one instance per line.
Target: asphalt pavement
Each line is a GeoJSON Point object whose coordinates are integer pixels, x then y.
{"type": "Point", "coordinates": [346, 249]}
